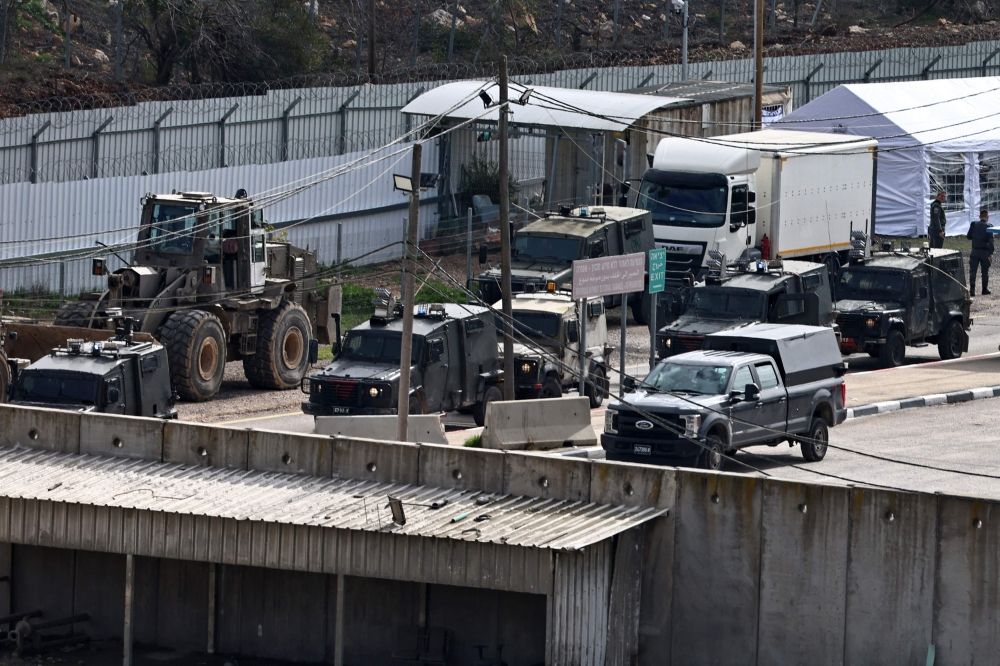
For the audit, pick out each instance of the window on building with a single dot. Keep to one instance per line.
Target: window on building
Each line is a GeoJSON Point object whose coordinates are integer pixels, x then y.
{"type": "Point", "coordinates": [946, 171]}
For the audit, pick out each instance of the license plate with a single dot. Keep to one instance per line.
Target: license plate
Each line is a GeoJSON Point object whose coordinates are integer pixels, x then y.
{"type": "Point", "coordinates": [340, 410]}
{"type": "Point", "coordinates": [644, 449]}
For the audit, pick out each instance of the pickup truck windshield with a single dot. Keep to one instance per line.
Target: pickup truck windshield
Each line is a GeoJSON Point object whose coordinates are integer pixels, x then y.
{"type": "Point", "coordinates": [537, 325]}
{"type": "Point", "coordinates": [683, 199]}
{"type": "Point", "coordinates": [727, 303]}
{"type": "Point", "coordinates": [863, 283]}
{"type": "Point", "coordinates": [529, 247]}
{"type": "Point", "coordinates": [40, 386]}
{"type": "Point", "coordinates": [378, 346]}
{"type": "Point", "coordinates": [671, 377]}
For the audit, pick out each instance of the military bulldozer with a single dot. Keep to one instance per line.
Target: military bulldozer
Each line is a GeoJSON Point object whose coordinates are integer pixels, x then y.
{"type": "Point", "coordinates": [208, 283]}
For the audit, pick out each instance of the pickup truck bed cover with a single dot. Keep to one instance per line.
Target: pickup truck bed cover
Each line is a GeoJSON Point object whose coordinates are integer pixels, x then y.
{"type": "Point", "coordinates": [794, 347]}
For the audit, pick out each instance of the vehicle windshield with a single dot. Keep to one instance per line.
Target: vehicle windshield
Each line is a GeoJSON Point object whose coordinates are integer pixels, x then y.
{"type": "Point", "coordinates": [540, 326]}
{"type": "Point", "coordinates": [673, 377]}
{"type": "Point", "coordinates": [864, 283]}
{"type": "Point", "coordinates": [674, 199]}
{"type": "Point", "coordinates": [172, 228]}
{"type": "Point", "coordinates": [726, 303]}
{"type": "Point", "coordinates": [528, 247]}
{"type": "Point", "coordinates": [56, 387]}
{"type": "Point", "coordinates": [378, 346]}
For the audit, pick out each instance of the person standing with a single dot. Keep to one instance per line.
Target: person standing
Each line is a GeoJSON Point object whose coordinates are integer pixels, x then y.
{"type": "Point", "coordinates": [982, 251]}
{"type": "Point", "coordinates": [936, 229]}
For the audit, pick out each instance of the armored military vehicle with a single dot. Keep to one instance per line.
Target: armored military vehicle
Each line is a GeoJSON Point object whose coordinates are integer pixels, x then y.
{"type": "Point", "coordinates": [455, 364]}
{"type": "Point", "coordinates": [544, 250]}
{"type": "Point", "coordinates": [118, 376]}
{"type": "Point", "coordinates": [903, 297]}
{"type": "Point", "coordinates": [787, 292]}
{"type": "Point", "coordinates": [547, 348]}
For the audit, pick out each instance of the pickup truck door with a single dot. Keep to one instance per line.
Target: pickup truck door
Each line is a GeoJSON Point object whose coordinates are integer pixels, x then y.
{"type": "Point", "coordinates": [771, 412]}
{"type": "Point", "coordinates": [742, 422]}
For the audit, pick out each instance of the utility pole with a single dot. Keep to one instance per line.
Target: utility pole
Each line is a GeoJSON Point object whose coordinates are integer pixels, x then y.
{"type": "Point", "coordinates": [684, 41]}
{"type": "Point", "coordinates": [758, 62]}
{"type": "Point", "coordinates": [371, 41]}
{"type": "Point", "coordinates": [119, 40]}
{"type": "Point", "coordinates": [406, 347]}
{"type": "Point", "coordinates": [508, 329]}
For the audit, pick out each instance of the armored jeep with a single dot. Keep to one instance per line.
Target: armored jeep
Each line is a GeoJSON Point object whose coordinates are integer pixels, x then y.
{"type": "Point", "coordinates": [897, 298]}
{"type": "Point", "coordinates": [118, 376]}
{"type": "Point", "coordinates": [544, 250]}
{"type": "Point", "coordinates": [455, 364]}
{"type": "Point", "coordinates": [787, 292]}
{"type": "Point", "coordinates": [548, 362]}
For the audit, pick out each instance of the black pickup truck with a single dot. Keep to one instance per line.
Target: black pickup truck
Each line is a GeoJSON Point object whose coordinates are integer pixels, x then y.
{"type": "Point", "coordinates": [762, 384]}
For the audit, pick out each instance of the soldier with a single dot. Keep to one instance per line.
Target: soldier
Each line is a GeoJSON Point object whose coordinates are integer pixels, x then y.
{"type": "Point", "coordinates": [982, 251]}
{"type": "Point", "coordinates": [936, 229]}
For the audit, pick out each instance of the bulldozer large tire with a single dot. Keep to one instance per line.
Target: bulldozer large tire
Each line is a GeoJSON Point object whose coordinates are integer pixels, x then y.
{"type": "Point", "coordinates": [196, 351]}
{"type": "Point", "coordinates": [4, 378]}
{"type": "Point", "coordinates": [282, 357]}
{"type": "Point", "coordinates": [76, 313]}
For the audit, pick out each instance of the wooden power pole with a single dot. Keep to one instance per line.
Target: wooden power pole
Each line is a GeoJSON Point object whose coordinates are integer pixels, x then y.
{"type": "Point", "coordinates": [407, 297]}
{"type": "Point", "coordinates": [508, 328]}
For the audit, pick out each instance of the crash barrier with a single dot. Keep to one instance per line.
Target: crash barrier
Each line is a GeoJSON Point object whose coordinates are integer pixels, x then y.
{"type": "Point", "coordinates": [890, 576]}
{"type": "Point", "coordinates": [538, 425]}
{"type": "Point", "coordinates": [419, 427]}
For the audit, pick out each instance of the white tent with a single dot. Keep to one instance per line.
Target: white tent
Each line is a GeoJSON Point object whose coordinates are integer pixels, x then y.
{"type": "Point", "coordinates": [942, 134]}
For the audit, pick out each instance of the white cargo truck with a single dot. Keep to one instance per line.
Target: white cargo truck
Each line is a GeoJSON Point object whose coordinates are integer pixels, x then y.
{"type": "Point", "coordinates": [780, 192]}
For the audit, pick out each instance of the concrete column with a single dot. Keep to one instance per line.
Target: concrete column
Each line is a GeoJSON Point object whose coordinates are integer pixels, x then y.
{"type": "Point", "coordinates": [129, 602]}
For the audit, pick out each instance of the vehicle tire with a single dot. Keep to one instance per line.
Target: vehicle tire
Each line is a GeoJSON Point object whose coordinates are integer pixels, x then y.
{"type": "Point", "coordinates": [196, 351]}
{"type": "Point", "coordinates": [76, 313]}
{"type": "Point", "coordinates": [416, 405]}
{"type": "Point", "coordinates": [282, 357]}
{"type": "Point", "coordinates": [551, 388]}
{"type": "Point", "coordinates": [951, 339]}
{"type": "Point", "coordinates": [641, 310]}
{"type": "Point", "coordinates": [492, 394]}
{"type": "Point", "coordinates": [814, 449]}
{"type": "Point", "coordinates": [832, 263]}
{"type": "Point", "coordinates": [892, 353]}
{"type": "Point", "coordinates": [596, 387]}
{"type": "Point", "coordinates": [712, 455]}
{"type": "Point", "coordinates": [4, 378]}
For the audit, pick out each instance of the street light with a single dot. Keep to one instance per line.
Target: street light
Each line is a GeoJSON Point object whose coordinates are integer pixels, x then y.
{"type": "Point", "coordinates": [681, 7]}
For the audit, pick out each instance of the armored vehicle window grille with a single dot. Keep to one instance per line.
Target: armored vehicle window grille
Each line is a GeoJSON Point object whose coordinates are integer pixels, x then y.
{"type": "Point", "coordinates": [768, 377]}
{"type": "Point", "coordinates": [149, 363]}
{"type": "Point", "coordinates": [727, 303]}
{"type": "Point", "coordinates": [634, 226]}
{"type": "Point", "coordinates": [537, 325]}
{"type": "Point", "coordinates": [811, 282]}
{"type": "Point", "coordinates": [474, 325]}
{"type": "Point", "coordinates": [551, 248]}
{"type": "Point", "coordinates": [34, 386]}
{"type": "Point", "coordinates": [377, 346]}
{"type": "Point", "coordinates": [871, 283]}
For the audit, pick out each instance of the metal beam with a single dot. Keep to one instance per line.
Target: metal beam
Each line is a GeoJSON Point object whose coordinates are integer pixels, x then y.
{"type": "Point", "coordinates": [33, 175]}
{"type": "Point", "coordinates": [284, 128]}
{"type": "Point", "coordinates": [808, 80]}
{"type": "Point", "coordinates": [222, 134]}
{"type": "Point", "coordinates": [988, 58]}
{"type": "Point", "coordinates": [409, 118]}
{"type": "Point", "coordinates": [342, 113]}
{"type": "Point", "coordinates": [870, 70]}
{"type": "Point", "coordinates": [96, 150]}
{"type": "Point", "coordinates": [926, 72]}
{"type": "Point", "coordinates": [586, 81]}
{"type": "Point", "coordinates": [156, 138]}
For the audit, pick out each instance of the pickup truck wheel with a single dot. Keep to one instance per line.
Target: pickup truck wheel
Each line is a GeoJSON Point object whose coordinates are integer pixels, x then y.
{"type": "Point", "coordinates": [492, 394]}
{"type": "Point", "coordinates": [4, 378]}
{"type": "Point", "coordinates": [892, 353]}
{"type": "Point", "coordinates": [712, 455]}
{"type": "Point", "coordinates": [950, 342]}
{"type": "Point", "coordinates": [196, 353]}
{"type": "Point", "coordinates": [551, 388]}
{"type": "Point", "coordinates": [596, 387]}
{"type": "Point", "coordinates": [814, 448]}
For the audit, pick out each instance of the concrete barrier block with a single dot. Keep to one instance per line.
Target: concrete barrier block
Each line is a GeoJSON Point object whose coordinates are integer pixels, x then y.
{"type": "Point", "coordinates": [419, 427]}
{"type": "Point", "coordinates": [49, 429]}
{"type": "Point", "coordinates": [803, 572]}
{"type": "Point", "coordinates": [461, 467]}
{"type": "Point", "coordinates": [632, 485]}
{"type": "Point", "coordinates": [384, 462]}
{"type": "Point", "coordinates": [968, 596]}
{"type": "Point", "coordinates": [538, 475]}
{"type": "Point", "coordinates": [291, 453]}
{"type": "Point", "coordinates": [890, 577]}
{"type": "Point", "coordinates": [121, 436]}
{"type": "Point", "coordinates": [205, 445]}
{"type": "Point", "coordinates": [538, 424]}
{"type": "Point", "coordinates": [716, 568]}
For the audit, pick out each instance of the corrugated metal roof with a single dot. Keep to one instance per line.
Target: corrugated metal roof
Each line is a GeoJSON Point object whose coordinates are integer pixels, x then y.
{"type": "Point", "coordinates": [291, 499]}
{"type": "Point", "coordinates": [546, 107]}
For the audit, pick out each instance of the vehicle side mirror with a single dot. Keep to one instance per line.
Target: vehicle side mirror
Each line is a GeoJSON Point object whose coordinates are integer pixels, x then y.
{"type": "Point", "coordinates": [595, 309]}
{"type": "Point", "coordinates": [628, 383]}
{"type": "Point", "coordinates": [483, 254]}
{"type": "Point", "coordinates": [335, 348]}
{"type": "Point", "coordinates": [751, 392]}
{"type": "Point", "coordinates": [313, 351]}
{"type": "Point", "coordinates": [436, 350]}
{"type": "Point", "coordinates": [788, 306]}
{"type": "Point", "coordinates": [114, 395]}
{"type": "Point", "coordinates": [598, 248]}
{"type": "Point", "coordinates": [572, 331]}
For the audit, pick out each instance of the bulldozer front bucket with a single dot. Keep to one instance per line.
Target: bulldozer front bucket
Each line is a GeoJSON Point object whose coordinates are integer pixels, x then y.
{"type": "Point", "coordinates": [34, 341]}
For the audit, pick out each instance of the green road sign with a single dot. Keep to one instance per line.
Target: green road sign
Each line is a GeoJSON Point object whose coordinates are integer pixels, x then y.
{"type": "Point", "coordinates": [657, 269]}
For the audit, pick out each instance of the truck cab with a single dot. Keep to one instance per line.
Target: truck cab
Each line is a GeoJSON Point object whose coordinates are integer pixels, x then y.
{"type": "Point", "coordinates": [789, 292]}
{"type": "Point", "coordinates": [762, 384]}
{"type": "Point", "coordinates": [455, 364]}
{"type": "Point", "coordinates": [544, 251]}
{"type": "Point", "coordinates": [902, 297]}
{"type": "Point", "coordinates": [118, 376]}
{"type": "Point", "coordinates": [547, 362]}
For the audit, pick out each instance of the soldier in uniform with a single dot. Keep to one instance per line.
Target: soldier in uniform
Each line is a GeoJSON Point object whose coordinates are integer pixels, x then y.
{"type": "Point", "coordinates": [936, 229]}
{"type": "Point", "coordinates": [982, 251]}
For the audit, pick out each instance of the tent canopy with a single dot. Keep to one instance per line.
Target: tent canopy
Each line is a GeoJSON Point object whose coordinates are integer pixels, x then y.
{"type": "Point", "coordinates": [932, 134]}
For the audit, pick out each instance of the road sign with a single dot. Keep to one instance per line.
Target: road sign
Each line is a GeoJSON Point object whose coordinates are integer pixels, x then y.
{"type": "Point", "coordinates": [605, 276]}
{"type": "Point", "coordinates": [657, 270]}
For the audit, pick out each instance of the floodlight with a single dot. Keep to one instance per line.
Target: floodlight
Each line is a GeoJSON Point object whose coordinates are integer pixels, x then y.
{"type": "Point", "coordinates": [402, 183]}
{"type": "Point", "coordinates": [487, 100]}
{"type": "Point", "coordinates": [523, 99]}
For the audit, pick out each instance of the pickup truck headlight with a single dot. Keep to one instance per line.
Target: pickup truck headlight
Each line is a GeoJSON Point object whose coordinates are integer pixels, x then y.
{"type": "Point", "coordinates": [306, 386]}
{"type": "Point", "coordinates": [528, 367]}
{"type": "Point", "coordinates": [611, 422]}
{"type": "Point", "coordinates": [871, 322]}
{"type": "Point", "coordinates": [668, 343]}
{"type": "Point", "coordinates": [692, 424]}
